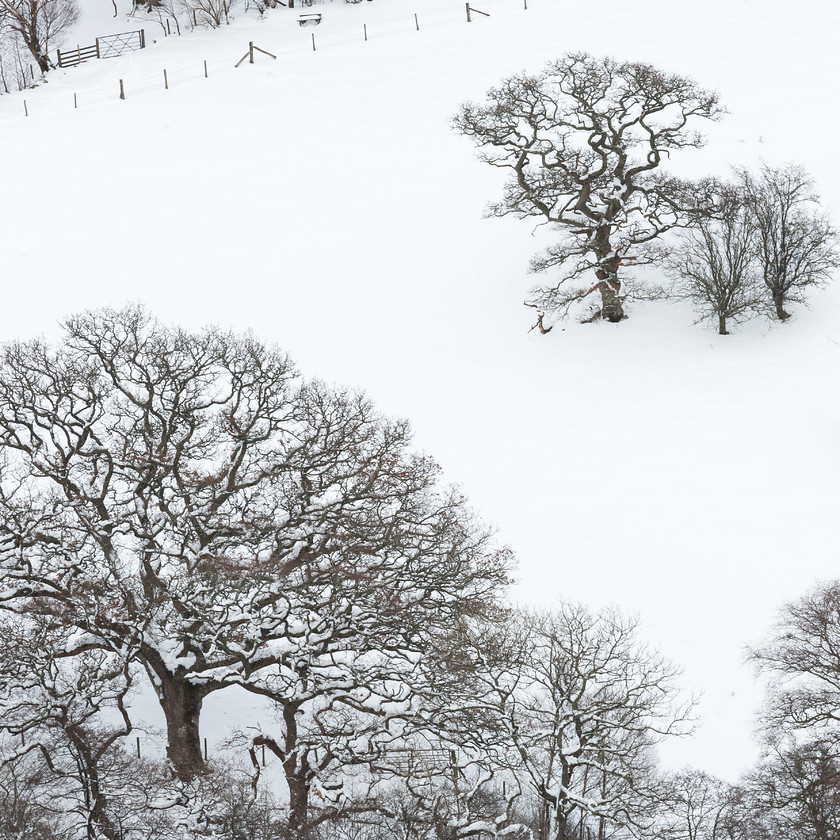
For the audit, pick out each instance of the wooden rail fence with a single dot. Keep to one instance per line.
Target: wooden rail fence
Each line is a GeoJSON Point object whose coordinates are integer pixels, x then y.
{"type": "Point", "coordinates": [107, 46]}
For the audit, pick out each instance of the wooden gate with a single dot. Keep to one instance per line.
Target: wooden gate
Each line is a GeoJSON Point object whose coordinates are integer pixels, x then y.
{"type": "Point", "coordinates": [71, 58]}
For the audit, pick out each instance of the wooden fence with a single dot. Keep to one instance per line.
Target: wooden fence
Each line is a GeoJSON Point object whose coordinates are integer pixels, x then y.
{"type": "Point", "coordinates": [70, 58]}
{"type": "Point", "coordinates": [108, 46]}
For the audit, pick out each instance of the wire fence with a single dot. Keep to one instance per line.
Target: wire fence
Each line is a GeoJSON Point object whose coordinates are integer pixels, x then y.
{"type": "Point", "coordinates": [115, 45]}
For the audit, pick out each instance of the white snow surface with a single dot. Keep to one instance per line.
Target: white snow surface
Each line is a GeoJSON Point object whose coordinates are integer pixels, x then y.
{"type": "Point", "coordinates": [322, 201]}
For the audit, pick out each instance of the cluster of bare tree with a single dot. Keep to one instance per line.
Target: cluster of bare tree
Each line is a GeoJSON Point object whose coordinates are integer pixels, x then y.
{"type": "Point", "coordinates": [793, 791]}
{"type": "Point", "coordinates": [193, 14]}
{"type": "Point", "coordinates": [585, 140]}
{"type": "Point", "coordinates": [761, 245]}
{"type": "Point", "coordinates": [185, 510]}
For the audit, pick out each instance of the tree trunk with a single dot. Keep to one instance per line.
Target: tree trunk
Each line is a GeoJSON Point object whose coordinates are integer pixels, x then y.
{"type": "Point", "coordinates": [611, 308]}
{"type": "Point", "coordinates": [779, 303]}
{"type": "Point", "coordinates": [722, 325]}
{"type": "Point", "coordinates": [296, 771]}
{"type": "Point", "coordinates": [181, 703]}
{"type": "Point", "coordinates": [34, 47]}
{"type": "Point", "coordinates": [298, 798]}
{"type": "Point", "coordinates": [98, 823]}
{"type": "Point", "coordinates": [607, 273]}
{"type": "Point", "coordinates": [43, 61]}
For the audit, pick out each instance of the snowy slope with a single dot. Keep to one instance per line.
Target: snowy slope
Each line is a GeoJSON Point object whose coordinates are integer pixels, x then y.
{"type": "Point", "coordinates": [322, 201]}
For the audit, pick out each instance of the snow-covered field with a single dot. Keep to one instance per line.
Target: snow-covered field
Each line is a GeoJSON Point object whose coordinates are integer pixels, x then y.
{"type": "Point", "coordinates": [322, 201]}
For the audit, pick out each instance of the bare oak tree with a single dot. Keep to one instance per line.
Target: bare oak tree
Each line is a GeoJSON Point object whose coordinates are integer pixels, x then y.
{"type": "Point", "coordinates": [796, 244]}
{"type": "Point", "coordinates": [187, 501]}
{"type": "Point", "coordinates": [584, 141]}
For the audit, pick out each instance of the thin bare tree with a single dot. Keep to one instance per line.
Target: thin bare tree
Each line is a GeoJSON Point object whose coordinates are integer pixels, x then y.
{"type": "Point", "coordinates": [70, 710]}
{"type": "Point", "coordinates": [713, 264]}
{"type": "Point", "coordinates": [793, 792]}
{"type": "Point", "coordinates": [802, 656]}
{"type": "Point", "coordinates": [212, 13]}
{"type": "Point", "coordinates": [572, 704]}
{"type": "Point", "coordinates": [695, 806]}
{"type": "Point", "coordinates": [796, 243]}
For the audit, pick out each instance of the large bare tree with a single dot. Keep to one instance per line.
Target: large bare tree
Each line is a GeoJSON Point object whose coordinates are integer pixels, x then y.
{"type": "Point", "coordinates": [188, 502]}
{"type": "Point", "coordinates": [584, 141]}
{"type": "Point", "coordinates": [39, 24]}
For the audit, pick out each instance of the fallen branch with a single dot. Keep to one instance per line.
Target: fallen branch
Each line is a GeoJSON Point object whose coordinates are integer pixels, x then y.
{"type": "Point", "coordinates": [540, 315]}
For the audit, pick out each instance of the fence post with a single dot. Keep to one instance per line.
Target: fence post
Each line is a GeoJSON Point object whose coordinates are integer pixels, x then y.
{"type": "Point", "coordinates": [138, 746]}
{"type": "Point", "coordinates": [416, 22]}
{"type": "Point", "coordinates": [97, 49]}
{"type": "Point", "coordinates": [313, 42]}
{"type": "Point", "coordinates": [469, 19]}
{"type": "Point", "coordinates": [75, 103]}
{"type": "Point", "coordinates": [251, 52]}
{"type": "Point", "coordinates": [142, 39]}
{"type": "Point", "coordinates": [205, 68]}
{"type": "Point", "coordinates": [205, 749]}
{"type": "Point", "coordinates": [168, 28]}
{"type": "Point", "coordinates": [365, 32]}
{"type": "Point", "coordinates": [25, 109]}
{"type": "Point", "coordinates": [165, 80]}
{"type": "Point", "coordinates": [122, 96]}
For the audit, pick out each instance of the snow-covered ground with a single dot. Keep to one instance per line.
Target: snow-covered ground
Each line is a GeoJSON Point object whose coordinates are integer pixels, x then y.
{"type": "Point", "coordinates": [322, 201]}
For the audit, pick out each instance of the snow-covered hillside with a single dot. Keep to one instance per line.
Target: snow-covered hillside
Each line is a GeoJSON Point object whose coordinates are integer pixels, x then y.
{"type": "Point", "coordinates": [321, 200]}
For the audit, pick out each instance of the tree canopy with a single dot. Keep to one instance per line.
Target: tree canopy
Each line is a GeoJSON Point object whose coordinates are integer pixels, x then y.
{"type": "Point", "coordinates": [188, 502]}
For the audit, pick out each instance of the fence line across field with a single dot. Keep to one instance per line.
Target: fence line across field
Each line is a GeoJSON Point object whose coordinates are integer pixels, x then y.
{"type": "Point", "coordinates": [110, 46]}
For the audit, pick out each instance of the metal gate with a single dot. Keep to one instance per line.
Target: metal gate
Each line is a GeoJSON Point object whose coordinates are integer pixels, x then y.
{"type": "Point", "coordinates": [107, 46]}
{"type": "Point", "coordinates": [113, 45]}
